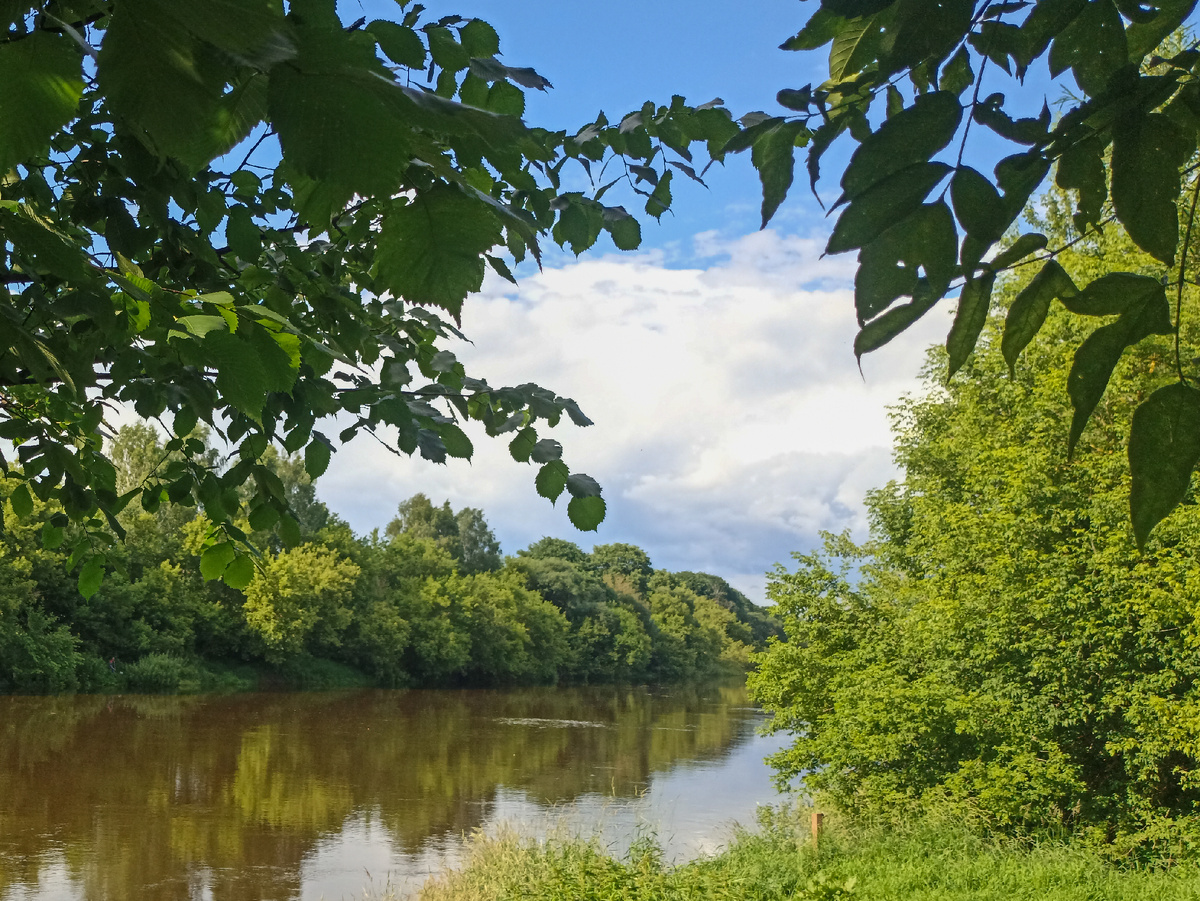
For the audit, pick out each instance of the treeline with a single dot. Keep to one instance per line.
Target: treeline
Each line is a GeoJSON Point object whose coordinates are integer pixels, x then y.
{"type": "Point", "coordinates": [429, 601]}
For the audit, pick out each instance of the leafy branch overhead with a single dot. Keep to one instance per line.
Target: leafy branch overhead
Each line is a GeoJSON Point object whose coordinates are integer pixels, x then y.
{"type": "Point", "coordinates": [259, 218]}
{"type": "Point", "coordinates": [916, 84]}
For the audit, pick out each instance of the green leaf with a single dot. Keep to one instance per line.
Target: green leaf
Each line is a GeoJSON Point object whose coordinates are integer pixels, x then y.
{"type": "Point", "coordinates": [1081, 169]}
{"type": "Point", "coordinates": [1030, 242]}
{"type": "Point", "coordinates": [660, 200]}
{"type": "Point", "coordinates": [316, 457]}
{"type": "Point", "coordinates": [456, 441]}
{"type": "Point", "coordinates": [858, 44]}
{"type": "Point", "coordinates": [263, 517]}
{"type": "Point", "coordinates": [402, 45]}
{"type": "Point", "coordinates": [969, 319]}
{"type": "Point", "coordinates": [448, 53]}
{"type": "Point", "coordinates": [22, 501]}
{"type": "Point", "coordinates": [956, 75]}
{"type": "Point", "coordinates": [552, 479]}
{"type": "Point", "coordinates": [883, 204]}
{"type": "Point", "coordinates": [289, 530]}
{"type": "Point", "coordinates": [977, 205]}
{"type": "Point", "coordinates": [91, 574]}
{"type": "Point", "coordinates": [215, 559]}
{"type": "Point", "coordinates": [889, 267]}
{"type": "Point", "coordinates": [907, 138]}
{"type": "Point", "coordinates": [773, 155]}
{"type": "Point", "coordinates": [1096, 358]}
{"type": "Point", "coordinates": [1144, 36]}
{"type": "Point", "coordinates": [626, 231]}
{"type": "Point", "coordinates": [431, 248]}
{"type": "Point", "coordinates": [43, 81]}
{"type": "Point", "coordinates": [241, 376]}
{"type": "Point", "coordinates": [822, 28]}
{"type": "Point", "coordinates": [479, 38]}
{"type": "Point", "coordinates": [339, 117]}
{"type": "Point", "coordinates": [243, 235]}
{"type": "Point", "coordinates": [240, 573]}
{"type": "Point", "coordinates": [1164, 447]}
{"type": "Point", "coordinates": [1114, 294]}
{"type": "Point", "coordinates": [546, 450]}
{"type": "Point", "coordinates": [1093, 47]}
{"type": "Point", "coordinates": [1028, 311]}
{"type": "Point", "coordinates": [522, 445]}
{"type": "Point", "coordinates": [52, 536]}
{"type": "Point", "coordinates": [580, 485]}
{"type": "Point", "coordinates": [1147, 153]}
{"type": "Point", "coordinates": [879, 331]}
{"type": "Point", "coordinates": [586, 513]}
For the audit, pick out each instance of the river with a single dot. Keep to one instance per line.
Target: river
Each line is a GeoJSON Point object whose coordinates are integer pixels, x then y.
{"type": "Point", "coordinates": [319, 795]}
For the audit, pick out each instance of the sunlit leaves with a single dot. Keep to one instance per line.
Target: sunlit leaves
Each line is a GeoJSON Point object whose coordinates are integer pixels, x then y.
{"type": "Point", "coordinates": [431, 249]}
{"type": "Point", "coordinates": [43, 82]}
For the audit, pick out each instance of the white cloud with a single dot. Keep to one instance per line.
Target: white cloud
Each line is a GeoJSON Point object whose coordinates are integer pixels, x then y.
{"type": "Point", "coordinates": [731, 420]}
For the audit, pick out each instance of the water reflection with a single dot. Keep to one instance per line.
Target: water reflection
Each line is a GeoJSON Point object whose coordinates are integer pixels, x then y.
{"type": "Point", "coordinates": [283, 796]}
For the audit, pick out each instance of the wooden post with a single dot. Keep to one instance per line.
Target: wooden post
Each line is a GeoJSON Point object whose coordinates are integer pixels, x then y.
{"type": "Point", "coordinates": [818, 820]}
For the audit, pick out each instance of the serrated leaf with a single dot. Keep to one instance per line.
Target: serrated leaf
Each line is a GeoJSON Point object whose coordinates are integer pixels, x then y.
{"type": "Point", "coordinates": [240, 573]}
{"type": "Point", "coordinates": [552, 479]}
{"type": "Point", "coordinates": [973, 305]}
{"type": "Point", "coordinates": [857, 43]}
{"type": "Point", "coordinates": [22, 501]}
{"type": "Point", "coordinates": [215, 559]}
{"type": "Point", "coordinates": [431, 250]}
{"type": "Point", "coordinates": [774, 156]}
{"type": "Point", "coordinates": [241, 377]}
{"type": "Point", "coordinates": [52, 536]}
{"type": "Point", "coordinates": [883, 204]}
{"type": "Point", "coordinates": [580, 485]}
{"type": "Point", "coordinates": [316, 458]}
{"type": "Point", "coordinates": [43, 81]}
{"type": "Point", "coordinates": [910, 137]}
{"type": "Point", "coordinates": [1164, 447]}
{"type": "Point", "coordinates": [289, 530]}
{"type": "Point", "coordinates": [479, 38]}
{"type": "Point", "coordinates": [1147, 153]}
{"type": "Point", "coordinates": [263, 517]}
{"type": "Point", "coordinates": [1028, 311]}
{"type": "Point", "coordinates": [91, 575]}
{"type": "Point", "coordinates": [243, 235]}
{"type": "Point", "coordinates": [401, 44]}
{"type": "Point", "coordinates": [456, 441]}
{"type": "Point", "coordinates": [586, 513]}
{"type": "Point", "coordinates": [546, 450]}
{"type": "Point", "coordinates": [522, 445]}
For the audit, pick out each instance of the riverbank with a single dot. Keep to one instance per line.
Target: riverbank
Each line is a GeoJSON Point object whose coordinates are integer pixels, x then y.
{"type": "Point", "coordinates": [777, 861]}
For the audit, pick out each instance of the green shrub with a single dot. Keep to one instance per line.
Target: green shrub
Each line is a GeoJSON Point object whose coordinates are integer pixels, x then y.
{"type": "Point", "coordinates": [158, 673]}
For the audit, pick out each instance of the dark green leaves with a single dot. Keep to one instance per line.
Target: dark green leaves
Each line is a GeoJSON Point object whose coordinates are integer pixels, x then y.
{"type": "Point", "coordinates": [402, 45]}
{"type": "Point", "coordinates": [1145, 313]}
{"type": "Point", "coordinates": [431, 249]}
{"type": "Point", "coordinates": [1028, 311]}
{"type": "Point", "coordinates": [773, 156]}
{"type": "Point", "coordinates": [1164, 447]}
{"type": "Point", "coordinates": [910, 137]}
{"type": "Point", "coordinates": [42, 81]}
{"type": "Point", "coordinates": [1147, 153]}
{"type": "Point", "coordinates": [977, 205]}
{"type": "Point", "coordinates": [973, 304]}
{"type": "Point", "coordinates": [1093, 47]}
{"type": "Point", "coordinates": [883, 204]}
{"type": "Point", "coordinates": [921, 246]}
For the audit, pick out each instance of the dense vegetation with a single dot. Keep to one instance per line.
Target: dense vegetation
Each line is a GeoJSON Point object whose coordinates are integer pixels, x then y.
{"type": "Point", "coordinates": [1000, 645]}
{"type": "Point", "coordinates": [923, 863]}
{"type": "Point", "coordinates": [430, 601]}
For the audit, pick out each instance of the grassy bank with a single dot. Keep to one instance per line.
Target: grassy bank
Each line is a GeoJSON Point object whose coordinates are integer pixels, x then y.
{"type": "Point", "coordinates": [923, 863]}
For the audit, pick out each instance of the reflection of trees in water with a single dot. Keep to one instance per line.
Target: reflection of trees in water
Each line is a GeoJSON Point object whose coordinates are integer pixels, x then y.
{"type": "Point", "coordinates": [146, 795]}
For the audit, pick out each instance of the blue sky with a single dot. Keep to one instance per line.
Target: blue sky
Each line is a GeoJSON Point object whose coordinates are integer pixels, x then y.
{"type": "Point", "coordinates": [732, 424]}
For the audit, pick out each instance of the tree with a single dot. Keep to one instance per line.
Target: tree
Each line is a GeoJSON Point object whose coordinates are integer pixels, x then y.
{"type": "Point", "coordinates": [258, 217]}
{"type": "Point", "coordinates": [464, 535]}
{"type": "Point", "coordinates": [1000, 645]}
{"type": "Point", "coordinates": [1121, 145]}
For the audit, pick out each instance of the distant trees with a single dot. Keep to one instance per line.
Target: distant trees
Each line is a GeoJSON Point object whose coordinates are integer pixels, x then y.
{"type": "Point", "coordinates": [431, 602]}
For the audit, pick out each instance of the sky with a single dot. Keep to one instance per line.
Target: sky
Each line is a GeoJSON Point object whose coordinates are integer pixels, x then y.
{"type": "Point", "coordinates": [732, 424]}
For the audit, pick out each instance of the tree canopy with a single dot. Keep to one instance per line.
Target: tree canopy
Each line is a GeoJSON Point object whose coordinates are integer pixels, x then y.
{"type": "Point", "coordinates": [257, 217]}
{"type": "Point", "coordinates": [999, 646]}
{"type": "Point", "coordinates": [914, 82]}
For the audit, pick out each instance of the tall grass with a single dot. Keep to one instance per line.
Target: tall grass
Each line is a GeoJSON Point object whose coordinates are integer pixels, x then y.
{"type": "Point", "coordinates": [924, 862]}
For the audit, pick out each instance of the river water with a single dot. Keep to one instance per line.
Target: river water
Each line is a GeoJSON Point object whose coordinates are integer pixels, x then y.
{"type": "Point", "coordinates": [320, 795]}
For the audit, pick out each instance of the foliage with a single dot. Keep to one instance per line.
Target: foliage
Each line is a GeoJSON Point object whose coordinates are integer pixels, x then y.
{"type": "Point", "coordinates": [258, 217]}
{"type": "Point", "coordinates": [1000, 645]}
{"type": "Point", "coordinates": [911, 81]}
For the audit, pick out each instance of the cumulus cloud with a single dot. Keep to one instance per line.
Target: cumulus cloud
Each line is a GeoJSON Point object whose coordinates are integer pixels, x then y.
{"type": "Point", "coordinates": [732, 423]}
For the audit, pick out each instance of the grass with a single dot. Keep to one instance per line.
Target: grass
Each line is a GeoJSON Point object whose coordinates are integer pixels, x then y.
{"type": "Point", "coordinates": [921, 863]}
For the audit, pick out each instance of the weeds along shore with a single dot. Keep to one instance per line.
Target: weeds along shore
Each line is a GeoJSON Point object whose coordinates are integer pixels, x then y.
{"type": "Point", "coordinates": [924, 861]}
